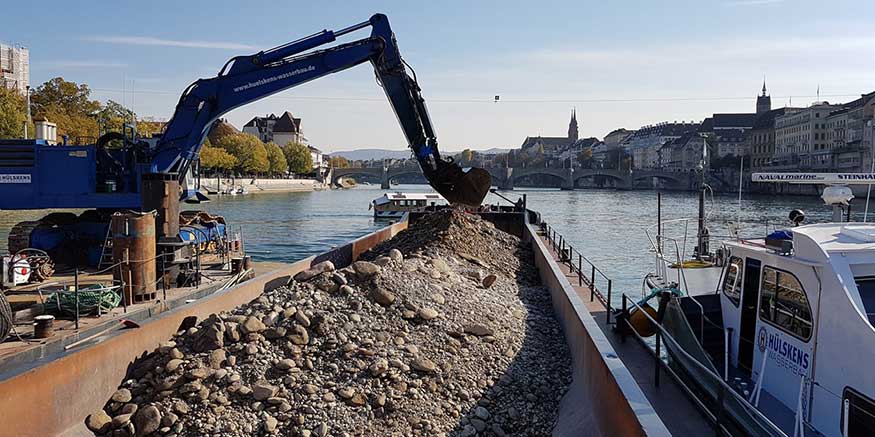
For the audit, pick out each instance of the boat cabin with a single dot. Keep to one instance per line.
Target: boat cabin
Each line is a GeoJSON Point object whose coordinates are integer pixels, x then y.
{"type": "Point", "coordinates": [394, 205]}
{"type": "Point", "coordinates": [798, 311]}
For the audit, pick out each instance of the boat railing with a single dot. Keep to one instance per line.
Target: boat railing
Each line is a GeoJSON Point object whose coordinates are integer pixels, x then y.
{"type": "Point", "coordinates": [599, 283]}
{"type": "Point", "coordinates": [718, 417]}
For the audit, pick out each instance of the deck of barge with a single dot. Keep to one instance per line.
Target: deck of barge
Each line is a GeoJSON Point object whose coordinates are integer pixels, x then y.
{"type": "Point", "coordinates": [674, 408]}
{"type": "Point", "coordinates": [21, 346]}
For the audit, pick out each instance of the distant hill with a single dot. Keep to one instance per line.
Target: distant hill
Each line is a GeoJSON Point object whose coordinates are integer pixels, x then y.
{"type": "Point", "coordinates": [366, 154]}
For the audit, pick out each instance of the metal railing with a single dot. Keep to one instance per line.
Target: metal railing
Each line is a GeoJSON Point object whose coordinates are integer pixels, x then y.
{"type": "Point", "coordinates": [724, 390]}
{"type": "Point", "coordinates": [600, 285]}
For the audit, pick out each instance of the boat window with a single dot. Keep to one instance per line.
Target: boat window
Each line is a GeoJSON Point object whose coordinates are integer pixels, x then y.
{"type": "Point", "coordinates": [860, 414]}
{"type": "Point", "coordinates": [732, 280]}
{"type": "Point", "coordinates": [784, 304]}
{"type": "Point", "coordinates": [866, 287]}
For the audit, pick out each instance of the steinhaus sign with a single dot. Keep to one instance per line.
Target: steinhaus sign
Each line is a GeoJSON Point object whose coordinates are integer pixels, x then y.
{"type": "Point", "coordinates": [816, 178]}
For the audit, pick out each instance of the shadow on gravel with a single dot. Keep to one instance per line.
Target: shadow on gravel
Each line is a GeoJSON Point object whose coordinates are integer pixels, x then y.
{"type": "Point", "coordinates": [524, 400]}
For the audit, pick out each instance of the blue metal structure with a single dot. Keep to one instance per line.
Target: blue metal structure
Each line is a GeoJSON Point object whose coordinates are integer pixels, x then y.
{"type": "Point", "coordinates": [35, 175]}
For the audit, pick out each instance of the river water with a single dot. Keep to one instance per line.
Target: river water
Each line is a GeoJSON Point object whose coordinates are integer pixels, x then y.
{"type": "Point", "coordinates": [607, 226]}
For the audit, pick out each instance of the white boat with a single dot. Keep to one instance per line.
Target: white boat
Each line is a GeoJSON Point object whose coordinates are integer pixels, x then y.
{"type": "Point", "coordinates": [776, 333]}
{"type": "Point", "coordinates": [394, 205]}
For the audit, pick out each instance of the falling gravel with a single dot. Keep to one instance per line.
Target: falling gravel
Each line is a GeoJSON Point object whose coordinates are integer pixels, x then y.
{"type": "Point", "coordinates": [442, 330]}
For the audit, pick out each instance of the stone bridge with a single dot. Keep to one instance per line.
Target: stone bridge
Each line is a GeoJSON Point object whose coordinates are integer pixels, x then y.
{"type": "Point", "coordinates": [506, 178]}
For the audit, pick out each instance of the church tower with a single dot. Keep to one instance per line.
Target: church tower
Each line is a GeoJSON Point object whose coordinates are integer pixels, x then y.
{"type": "Point", "coordinates": [572, 127]}
{"type": "Point", "coordinates": [764, 101]}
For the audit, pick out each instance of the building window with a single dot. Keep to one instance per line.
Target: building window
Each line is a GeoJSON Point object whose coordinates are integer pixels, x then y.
{"type": "Point", "coordinates": [732, 280]}
{"type": "Point", "coordinates": [783, 303]}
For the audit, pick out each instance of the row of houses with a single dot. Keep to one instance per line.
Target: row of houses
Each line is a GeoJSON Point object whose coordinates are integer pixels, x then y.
{"type": "Point", "coordinates": [819, 137]}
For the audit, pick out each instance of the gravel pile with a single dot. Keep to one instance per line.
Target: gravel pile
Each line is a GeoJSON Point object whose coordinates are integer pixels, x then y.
{"type": "Point", "coordinates": [443, 330]}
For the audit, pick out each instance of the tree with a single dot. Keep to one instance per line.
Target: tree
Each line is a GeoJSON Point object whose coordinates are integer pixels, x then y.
{"type": "Point", "coordinates": [216, 158]}
{"type": "Point", "coordinates": [73, 97]}
{"type": "Point", "coordinates": [68, 105]}
{"type": "Point", "coordinates": [338, 162]}
{"type": "Point", "coordinates": [298, 157]}
{"type": "Point", "coordinates": [12, 114]}
{"type": "Point", "coordinates": [249, 151]}
{"type": "Point", "coordinates": [112, 116]}
{"type": "Point", "coordinates": [277, 160]}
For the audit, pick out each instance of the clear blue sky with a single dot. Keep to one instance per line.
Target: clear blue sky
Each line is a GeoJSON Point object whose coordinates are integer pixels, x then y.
{"type": "Point", "coordinates": [621, 64]}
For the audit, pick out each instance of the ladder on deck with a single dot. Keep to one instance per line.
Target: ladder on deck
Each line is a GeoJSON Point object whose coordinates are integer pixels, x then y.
{"type": "Point", "coordinates": [106, 251]}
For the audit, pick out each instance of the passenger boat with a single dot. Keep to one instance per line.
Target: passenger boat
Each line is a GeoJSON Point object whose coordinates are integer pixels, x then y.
{"type": "Point", "coordinates": [392, 206]}
{"type": "Point", "coordinates": [776, 332]}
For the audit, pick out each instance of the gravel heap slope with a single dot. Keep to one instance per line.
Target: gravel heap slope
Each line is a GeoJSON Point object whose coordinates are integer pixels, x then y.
{"type": "Point", "coordinates": [442, 330]}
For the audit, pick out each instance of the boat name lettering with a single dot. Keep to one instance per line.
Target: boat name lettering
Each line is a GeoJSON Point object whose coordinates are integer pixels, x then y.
{"type": "Point", "coordinates": [786, 354]}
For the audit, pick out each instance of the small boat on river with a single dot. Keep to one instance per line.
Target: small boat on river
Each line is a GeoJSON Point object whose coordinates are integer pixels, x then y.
{"type": "Point", "coordinates": [392, 206]}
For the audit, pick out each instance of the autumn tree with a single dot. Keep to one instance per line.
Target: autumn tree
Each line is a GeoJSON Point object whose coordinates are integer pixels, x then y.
{"type": "Point", "coordinates": [68, 105]}
{"type": "Point", "coordinates": [338, 162]}
{"type": "Point", "coordinates": [298, 158]}
{"type": "Point", "coordinates": [277, 160]}
{"type": "Point", "coordinates": [12, 114]}
{"type": "Point", "coordinates": [249, 151]}
{"type": "Point", "coordinates": [216, 158]}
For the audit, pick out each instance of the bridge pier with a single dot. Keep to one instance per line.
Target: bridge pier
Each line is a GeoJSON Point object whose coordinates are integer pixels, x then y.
{"type": "Point", "coordinates": [507, 182]}
{"type": "Point", "coordinates": [567, 180]}
{"type": "Point", "coordinates": [384, 178]}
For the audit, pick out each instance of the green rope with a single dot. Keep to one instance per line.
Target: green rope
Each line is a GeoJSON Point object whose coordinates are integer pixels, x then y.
{"type": "Point", "coordinates": [91, 298]}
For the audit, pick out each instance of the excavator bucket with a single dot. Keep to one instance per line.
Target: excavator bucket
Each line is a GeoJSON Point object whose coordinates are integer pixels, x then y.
{"type": "Point", "coordinates": [461, 187]}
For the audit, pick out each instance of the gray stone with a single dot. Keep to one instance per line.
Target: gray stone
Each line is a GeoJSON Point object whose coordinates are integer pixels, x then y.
{"type": "Point", "coordinates": [489, 280]}
{"type": "Point", "coordinates": [312, 272]}
{"type": "Point", "coordinates": [365, 269]}
{"type": "Point", "coordinates": [426, 313]}
{"type": "Point", "coordinates": [147, 420]}
{"type": "Point", "coordinates": [479, 330]}
{"type": "Point", "coordinates": [262, 390]}
{"type": "Point", "coordinates": [382, 296]}
{"type": "Point", "coordinates": [98, 422]}
{"type": "Point", "coordinates": [269, 423]}
{"type": "Point", "coordinates": [302, 319]}
{"type": "Point", "coordinates": [252, 324]}
{"type": "Point", "coordinates": [121, 395]}
{"type": "Point", "coordinates": [479, 425]}
{"type": "Point", "coordinates": [298, 335]}
{"type": "Point", "coordinates": [379, 367]}
{"type": "Point", "coordinates": [424, 365]}
{"type": "Point", "coordinates": [285, 364]}
{"type": "Point", "coordinates": [396, 255]}
{"type": "Point", "coordinates": [481, 412]}
{"type": "Point", "coordinates": [338, 279]}
{"type": "Point", "coordinates": [382, 261]}
{"type": "Point", "coordinates": [120, 420]}
{"type": "Point", "coordinates": [440, 265]}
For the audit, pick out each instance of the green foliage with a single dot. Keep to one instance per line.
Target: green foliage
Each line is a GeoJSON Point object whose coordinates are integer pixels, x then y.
{"type": "Point", "coordinates": [68, 105]}
{"type": "Point", "coordinates": [249, 151]}
{"type": "Point", "coordinates": [12, 114]}
{"type": "Point", "coordinates": [277, 160]}
{"type": "Point", "coordinates": [298, 157]}
{"type": "Point", "coordinates": [112, 116]}
{"type": "Point", "coordinates": [73, 97]}
{"type": "Point", "coordinates": [338, 162]}
{"type": "Point", "coordinates": [216, 158]}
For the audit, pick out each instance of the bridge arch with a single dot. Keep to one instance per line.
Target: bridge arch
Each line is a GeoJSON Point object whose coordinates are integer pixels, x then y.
{"type": "Point", "coordinates": [393, 175]}
{"type": "Point", "coordinates": [340, 173]}
{"type": "Point", "coordinates": [558, 175]}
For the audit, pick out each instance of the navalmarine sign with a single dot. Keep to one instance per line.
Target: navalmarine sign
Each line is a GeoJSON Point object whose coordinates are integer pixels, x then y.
{"type": "Point", "coordinates": [816, 178]}
{"type": "Point", "coordinates": [783, 353]}
{"type": "Point", "coordinates": [14, 178]}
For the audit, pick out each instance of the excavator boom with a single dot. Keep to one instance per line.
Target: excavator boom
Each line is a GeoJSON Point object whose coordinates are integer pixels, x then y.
{"type": "Point", "coordinates": [245, 79]}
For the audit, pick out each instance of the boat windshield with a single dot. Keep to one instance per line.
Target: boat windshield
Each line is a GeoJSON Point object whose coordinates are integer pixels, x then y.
{"type": "Point", "coordinates": [866, 287]}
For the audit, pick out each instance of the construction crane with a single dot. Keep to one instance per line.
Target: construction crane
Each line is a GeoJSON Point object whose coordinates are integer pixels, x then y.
{"type": "Point", "coordinates": [106, 177]}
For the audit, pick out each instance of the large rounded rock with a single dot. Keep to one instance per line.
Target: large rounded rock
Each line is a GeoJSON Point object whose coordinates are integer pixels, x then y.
{"type": "Point", "coordinates": [98, 422]}
{"type": "Point", "coordinates": [147, 420]}
{"type": "Point", "coordinates": [382, 296]}
{"type": "Point", "coordinates": [365, 269]}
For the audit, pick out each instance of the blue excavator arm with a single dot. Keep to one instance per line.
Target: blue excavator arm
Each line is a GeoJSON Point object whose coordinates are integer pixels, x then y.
{"type": "Point", "coordinates": [245, 79]}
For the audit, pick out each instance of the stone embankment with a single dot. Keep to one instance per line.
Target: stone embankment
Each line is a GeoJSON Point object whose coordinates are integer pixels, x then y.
{"type": "Point", "coordinates": [443, 330]}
